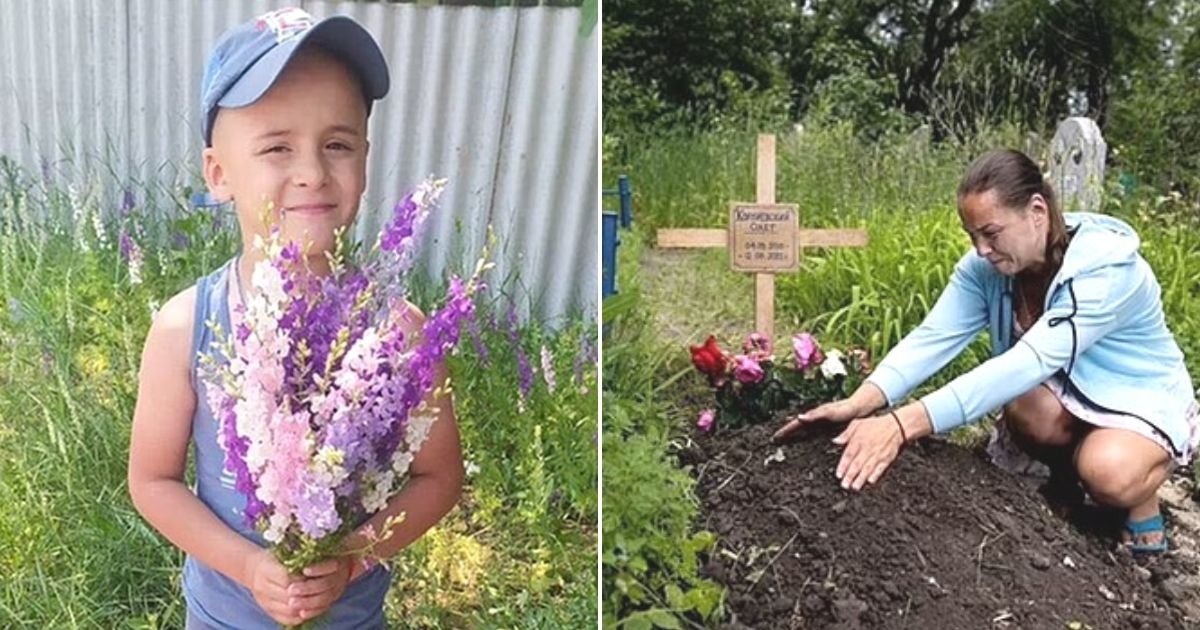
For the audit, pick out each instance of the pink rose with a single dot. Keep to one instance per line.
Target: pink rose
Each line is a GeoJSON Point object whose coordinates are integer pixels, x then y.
{"type": "Point", "coordinates": [747, 370]}
{"type": "Point", "coordinates": [758, 347]}
{"type": "Point", "coordinates": [807, 352]}
{"type": "Point", "coordinates": [705, 422]}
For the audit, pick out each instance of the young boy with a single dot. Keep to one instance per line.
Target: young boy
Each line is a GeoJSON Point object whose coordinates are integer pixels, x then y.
{"type": "Point", "coordinates": [285, 103]}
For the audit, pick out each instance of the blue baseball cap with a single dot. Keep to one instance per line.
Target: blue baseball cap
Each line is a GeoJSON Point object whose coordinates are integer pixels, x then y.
{"type": "Point", "coordinates": [248, 58]}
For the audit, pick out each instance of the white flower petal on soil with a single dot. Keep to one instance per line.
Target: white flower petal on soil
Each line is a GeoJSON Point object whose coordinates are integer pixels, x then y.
{"type": "Point", "coordinates": [777, 456]}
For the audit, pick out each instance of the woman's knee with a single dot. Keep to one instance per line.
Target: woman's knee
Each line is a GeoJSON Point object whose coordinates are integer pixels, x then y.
{"type": "Point", "coordinates": [1039, 418]}
{"type": "Point", "coordinates": [1121, 468]}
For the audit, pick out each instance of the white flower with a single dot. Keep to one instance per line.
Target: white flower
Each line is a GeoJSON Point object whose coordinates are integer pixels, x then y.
{"type": "Point", "coordinates": [401, 460]}
{"type": "Point", "coordinates": [98, 226]}
{"type": "Point", "coordinates": [471, 468]}
{"type": "Point", "coordinates": [327, 466]}
{"type": "Point", "coordinates": [362, 357]}
{"type": "Point", "coordinates": [418, 430]}
{"type": "Point", "coordinates": [269, 282]}
{"type": "Point", "coordinates": [276, 525]}
{"type": "Point", "coordinates": [378, 489]}
{"type": "Point", "coordinates": [136, 260]}
{"type": "Point", "coordinates": [79, 218]}
{"type": "Point", "coordinates": [833, 365]}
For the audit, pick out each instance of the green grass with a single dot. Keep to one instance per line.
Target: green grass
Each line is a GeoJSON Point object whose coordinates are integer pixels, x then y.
{"type": "Point", "coordinates": [519, 551]}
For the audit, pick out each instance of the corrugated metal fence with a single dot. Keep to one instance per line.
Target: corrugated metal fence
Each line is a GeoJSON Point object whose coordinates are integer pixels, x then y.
{"type": "Point", "coordinates": [503, 101]}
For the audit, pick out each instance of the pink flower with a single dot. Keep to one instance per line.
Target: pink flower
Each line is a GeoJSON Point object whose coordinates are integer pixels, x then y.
{"type": "Point", "coordinates": [807, 352]}
{"type": "Point", "coordinates": [747, 370]}
{"type": "Point", "coordinates": [758, 347]}
{"type": "Point", "coordinates": [705, 422]}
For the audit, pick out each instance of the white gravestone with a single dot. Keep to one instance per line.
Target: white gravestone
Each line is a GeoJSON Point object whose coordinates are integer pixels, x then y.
{"type": "Point", "coordinates": [1077, 156]}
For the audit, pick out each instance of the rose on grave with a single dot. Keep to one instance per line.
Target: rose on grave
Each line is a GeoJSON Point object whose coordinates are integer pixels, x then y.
{"type": "Point", "coordinates": [711, 361]}
{"type": "Point", "coordinates": [833, 366]}
{"type": "Point", "coordinates": [806, 351]}
{"type": "Point", "coordinates": [747, 370]}
{"type": "Point", "coordinates": [758, 346]}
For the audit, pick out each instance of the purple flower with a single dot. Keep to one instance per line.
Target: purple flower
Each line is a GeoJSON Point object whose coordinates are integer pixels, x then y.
{"type": "Point", "coordinates": [481, 350]}
{"type": "Point", "coordinates": [806, 351]}
{"type": "Point", "coordinates": [402, 226]}
{"type": "Point", "coordinates": [747, 370]}
{"type": "Point", "coordinates": [706, 419]}
{"type": "Point", "coordinates": [316, 512]}
{"type": "Point", "coordinates": [512, 323]}
{"type": "Point", "coordinates": [524, 373]}
{"type": "Point", "coordinates": [127, 202]}
{"type": "Point", "coordinates": [758, 347]}
{"type": "Point", "coordinates": [577, 367]}
{"type": "Point", "coordinates": [126, 245]}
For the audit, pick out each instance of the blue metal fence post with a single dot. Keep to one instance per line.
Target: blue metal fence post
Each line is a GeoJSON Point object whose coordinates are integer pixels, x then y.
{"type": "Point", "coordinates": [610, 240]}
{"type": "Point", "coordinates": [610, 233]}
{"type": "Point", "coordinates": [626, 193]}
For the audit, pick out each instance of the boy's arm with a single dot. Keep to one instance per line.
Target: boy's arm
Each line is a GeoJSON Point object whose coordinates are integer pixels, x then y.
{"type": "Point", "coordinates": [158, 449]}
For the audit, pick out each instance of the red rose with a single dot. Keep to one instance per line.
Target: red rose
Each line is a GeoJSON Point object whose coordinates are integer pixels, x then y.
{"type": "Point", "coordinates": [709, 359]}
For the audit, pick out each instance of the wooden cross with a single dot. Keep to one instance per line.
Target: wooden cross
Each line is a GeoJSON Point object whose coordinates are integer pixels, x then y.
{"type": "Point", "coordinates": [764, 238]}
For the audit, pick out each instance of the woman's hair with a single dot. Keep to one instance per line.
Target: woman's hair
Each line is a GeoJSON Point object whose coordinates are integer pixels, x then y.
{"type": "Point", "coordinates": [1016, 178]}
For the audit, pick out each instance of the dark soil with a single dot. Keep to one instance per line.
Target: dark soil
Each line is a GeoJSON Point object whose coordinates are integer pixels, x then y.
{"type": "Point", "coordinates": [944, 540]}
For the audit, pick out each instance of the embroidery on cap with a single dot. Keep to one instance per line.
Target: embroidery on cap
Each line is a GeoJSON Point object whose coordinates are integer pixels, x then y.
{"type": "Point", "coordinates": [285, 23]}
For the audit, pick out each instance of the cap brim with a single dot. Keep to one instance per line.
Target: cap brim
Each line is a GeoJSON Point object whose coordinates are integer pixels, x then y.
{"type": "Point", "coordinates": [341, 36]}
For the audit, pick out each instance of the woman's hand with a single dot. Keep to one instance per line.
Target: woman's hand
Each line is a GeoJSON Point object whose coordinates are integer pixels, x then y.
{"type": "Point", "coordinates": [872, 444]}
{"type": "Point", "coordinates": [837, 411]}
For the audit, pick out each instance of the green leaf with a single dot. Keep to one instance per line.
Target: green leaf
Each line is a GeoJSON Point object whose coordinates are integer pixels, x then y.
{"type": "Point", "coordinates": [664, 619]}
{"type": "Point", "coordinates": [675, 597]}
{"type": "Point", "coordinates": [704, 599]}
{"type": "Point", "coordinates": [637, 621]}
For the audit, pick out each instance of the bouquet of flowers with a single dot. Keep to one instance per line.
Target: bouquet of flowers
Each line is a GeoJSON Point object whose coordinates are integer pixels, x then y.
{"type": "Point", "coordinates": [320, 393]}
{"type": "Point", "coordinates": [751, 387]}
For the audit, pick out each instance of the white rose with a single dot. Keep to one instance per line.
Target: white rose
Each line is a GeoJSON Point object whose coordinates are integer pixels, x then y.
{"type": "Point", "coordinates": [833, 365]}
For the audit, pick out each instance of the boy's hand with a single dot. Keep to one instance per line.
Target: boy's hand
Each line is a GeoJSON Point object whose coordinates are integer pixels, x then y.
{"type": "Point", "coordinates": [322, 585]}
{"type": "Point", "coordinates": [269, 581]}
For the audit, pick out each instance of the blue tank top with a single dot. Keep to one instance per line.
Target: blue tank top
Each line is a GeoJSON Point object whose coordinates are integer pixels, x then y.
{"type": "Point", "coordinates": [212, 598]}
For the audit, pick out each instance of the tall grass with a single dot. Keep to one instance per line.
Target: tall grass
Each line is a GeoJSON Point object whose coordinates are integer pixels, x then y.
{"type": "Point", "coordinates": [519, 551]}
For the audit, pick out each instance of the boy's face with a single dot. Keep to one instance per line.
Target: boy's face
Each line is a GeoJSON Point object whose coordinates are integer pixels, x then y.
{"type": "Point", "coordinates": [302, 147]}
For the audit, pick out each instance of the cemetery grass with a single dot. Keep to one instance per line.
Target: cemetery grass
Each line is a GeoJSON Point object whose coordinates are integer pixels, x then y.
{"type": "Point", "coordinates": [518, 551]}
{"type": "Point", "coordinates": [901, 189]}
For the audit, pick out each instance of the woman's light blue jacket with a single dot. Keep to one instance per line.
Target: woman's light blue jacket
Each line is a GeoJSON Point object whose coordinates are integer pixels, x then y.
{"type": "Point", "coordinates": [1103, 326]}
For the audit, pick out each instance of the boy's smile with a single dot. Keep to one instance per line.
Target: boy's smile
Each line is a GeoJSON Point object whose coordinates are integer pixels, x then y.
{"type": "Point", "coordinates": [302, 148]}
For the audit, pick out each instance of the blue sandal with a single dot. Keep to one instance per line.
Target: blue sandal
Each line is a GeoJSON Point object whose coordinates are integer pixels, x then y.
{"type": "Point", "coordinates": [1151, 525]}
